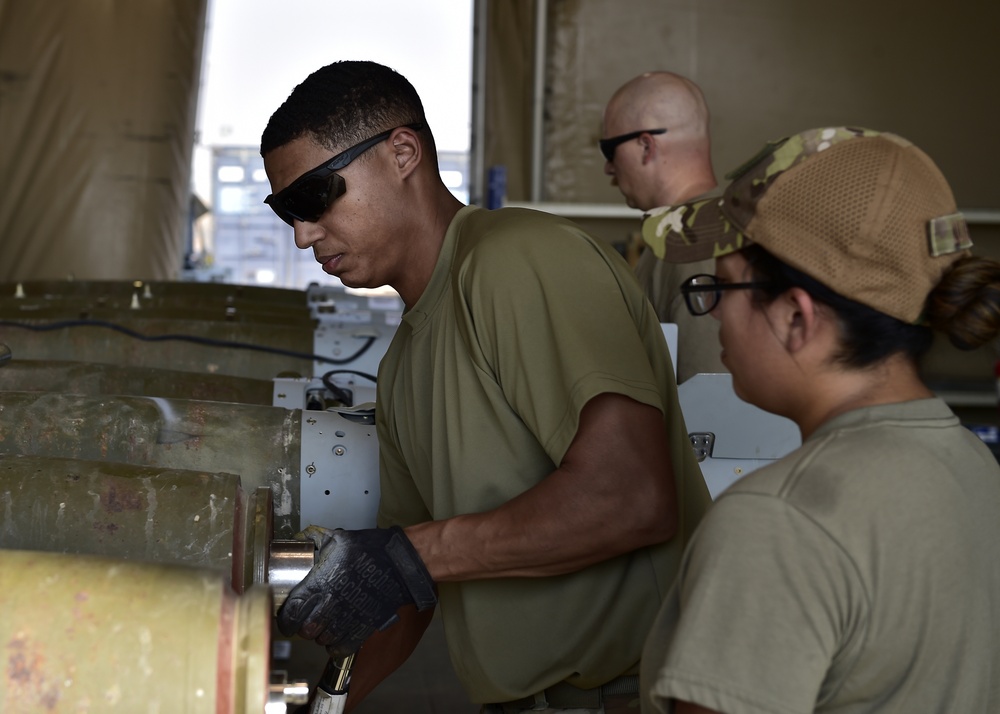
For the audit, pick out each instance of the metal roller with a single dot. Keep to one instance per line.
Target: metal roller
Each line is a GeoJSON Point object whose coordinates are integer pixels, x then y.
{"type": "Point", "coordinates": [88, 634]}
{"type": "Point", "coordinates": [289, 562]}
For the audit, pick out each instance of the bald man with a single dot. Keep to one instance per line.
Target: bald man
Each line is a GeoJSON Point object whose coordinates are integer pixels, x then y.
{"type": "Point", "coordinates": [658, 150]}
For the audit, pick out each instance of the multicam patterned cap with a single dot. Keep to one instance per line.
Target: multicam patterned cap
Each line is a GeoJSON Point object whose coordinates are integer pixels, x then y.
{"type": "Point", "coordinates": [866, 213]}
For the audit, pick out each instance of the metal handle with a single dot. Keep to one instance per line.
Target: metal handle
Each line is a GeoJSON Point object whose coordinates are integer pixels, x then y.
{"type": "Point", "coordinates": [331, 693]}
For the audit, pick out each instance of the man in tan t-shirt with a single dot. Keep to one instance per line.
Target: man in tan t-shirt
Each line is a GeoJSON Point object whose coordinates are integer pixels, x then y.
{"type": "Point", "coordinates": [512, 438]}
{"type": "Point", "coordinates": [658, 154]}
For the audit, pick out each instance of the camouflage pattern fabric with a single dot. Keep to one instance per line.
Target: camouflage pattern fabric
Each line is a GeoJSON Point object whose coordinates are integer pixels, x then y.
{"type": "Point", "coordinates": [873, 219]}
{"type": "Point", "coordinates": [949, 234]}
{"type": "Point", "coordinates": [714, 227]}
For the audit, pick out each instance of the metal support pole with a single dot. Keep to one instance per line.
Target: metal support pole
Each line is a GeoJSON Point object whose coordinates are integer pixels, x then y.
{"type": "Point", "coordinates": [538, 105]}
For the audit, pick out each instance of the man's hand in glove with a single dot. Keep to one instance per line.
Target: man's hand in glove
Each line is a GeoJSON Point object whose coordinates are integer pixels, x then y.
{"type": "Point", "coordinates": [359, 581]}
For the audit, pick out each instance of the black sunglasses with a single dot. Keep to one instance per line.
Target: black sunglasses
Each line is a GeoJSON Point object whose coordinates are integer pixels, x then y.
{"type": "Point", "coordinates": [703, 292]}
{"type": "Point", "coordinates": [308, 196]}
{"type": "Point", "coordinates": [608, 146]}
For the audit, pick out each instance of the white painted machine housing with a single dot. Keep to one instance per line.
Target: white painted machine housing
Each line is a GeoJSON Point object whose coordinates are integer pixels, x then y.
{"type": "Point", "coordinates": [730, 436]}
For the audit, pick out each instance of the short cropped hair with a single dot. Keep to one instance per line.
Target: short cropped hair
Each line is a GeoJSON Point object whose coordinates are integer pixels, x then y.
{"type": "Point", "coordinates": [344, 103]}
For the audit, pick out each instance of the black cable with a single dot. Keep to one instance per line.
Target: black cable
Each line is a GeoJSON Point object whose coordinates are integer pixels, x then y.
{"type": "Point", "coordinates": [208, 341]}
{"type": "Point", "coordinates": [364, 348]}
{"type": "Point", "coordinates": [343, 396]}
{"type": "Point", "coordinates": [369, 377]}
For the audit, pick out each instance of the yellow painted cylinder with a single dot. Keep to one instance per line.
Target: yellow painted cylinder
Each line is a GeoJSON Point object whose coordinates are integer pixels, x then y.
{"type": "Point", "coordinates": [82, 634]}
{"type": "Point", "coordinates": [130, 512]}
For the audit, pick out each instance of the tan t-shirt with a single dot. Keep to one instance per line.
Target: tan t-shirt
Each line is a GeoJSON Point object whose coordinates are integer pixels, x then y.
{"type": "Point", "coordinates": [698, 348]}
{"type": "Point", "coordinates": [859, 574]}
{"type": "Point", "coordinates": [525, 319]}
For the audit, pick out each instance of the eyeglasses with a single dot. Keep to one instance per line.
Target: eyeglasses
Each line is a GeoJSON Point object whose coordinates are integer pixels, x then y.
{"type": "Point", "coordinates": [608, 146]}
{"type": "Point", "coordinates": [308, 196]}
{"type": "Point", "coordinates": [703, 292]}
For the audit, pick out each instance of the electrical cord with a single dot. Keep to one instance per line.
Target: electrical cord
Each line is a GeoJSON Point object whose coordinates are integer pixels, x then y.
{"type": "Point", "coordinates": [207, 341]}
{"type": "Point", "coordinates": [361, 350]}
{"type": "Point", "coordinates": [370, 377]}
{"type": "Point", "coordinates": [344, 396]}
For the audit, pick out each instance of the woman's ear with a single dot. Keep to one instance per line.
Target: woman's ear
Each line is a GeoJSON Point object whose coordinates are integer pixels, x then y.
{"type": "Point", "coordinates": [407, 150]}
{"type": "Point", "coordinates": [802, 319]}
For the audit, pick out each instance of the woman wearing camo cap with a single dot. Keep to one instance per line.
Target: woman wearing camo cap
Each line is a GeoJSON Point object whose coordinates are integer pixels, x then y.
{"type": "Point", "coordinates": [860, 573]}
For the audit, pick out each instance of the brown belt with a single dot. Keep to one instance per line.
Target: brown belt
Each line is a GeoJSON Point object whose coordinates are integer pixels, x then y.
{"type": "Point", "coordinates": [566, 696]}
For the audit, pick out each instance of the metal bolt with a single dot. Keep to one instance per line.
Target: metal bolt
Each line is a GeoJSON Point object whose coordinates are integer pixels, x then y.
{"type": "Point", "coordinates": [339, 450]}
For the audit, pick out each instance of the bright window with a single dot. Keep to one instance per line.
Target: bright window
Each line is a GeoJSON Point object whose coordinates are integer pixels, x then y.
{"type": "Point", "coordinates": [256, 51]}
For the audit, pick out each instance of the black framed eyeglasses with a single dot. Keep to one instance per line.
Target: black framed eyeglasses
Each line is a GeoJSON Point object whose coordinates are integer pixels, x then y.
{"type": "Point", "coordinates": [608, 146]}
{"type": "Point", "coordinates": [702, 292]}
{"type": "Point", "coordinates": [308, 196]}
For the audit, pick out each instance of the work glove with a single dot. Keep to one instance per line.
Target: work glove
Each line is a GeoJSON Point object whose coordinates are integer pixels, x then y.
{"type": "Point", "coordinates": [358, 582]}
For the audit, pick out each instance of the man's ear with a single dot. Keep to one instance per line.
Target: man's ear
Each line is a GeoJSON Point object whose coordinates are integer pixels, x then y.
{"type": "Point", "coordinates": [407, 150]}
{"type": "Point", "coordinates": [648, 148]}
{"type": "Point", "coordinates": [801, 319]}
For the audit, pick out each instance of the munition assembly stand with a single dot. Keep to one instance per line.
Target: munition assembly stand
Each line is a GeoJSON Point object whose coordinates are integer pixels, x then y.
{"type": "Point", "coordinates": [161, 445]}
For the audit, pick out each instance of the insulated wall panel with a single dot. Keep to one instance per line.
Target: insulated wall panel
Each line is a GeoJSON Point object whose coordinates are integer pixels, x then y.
{"type": "Point", "coordinates": [97, 108]}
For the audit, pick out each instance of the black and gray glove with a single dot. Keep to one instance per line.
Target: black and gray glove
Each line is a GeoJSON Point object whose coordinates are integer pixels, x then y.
{"type": "Point", "coordinates": [358, 582]}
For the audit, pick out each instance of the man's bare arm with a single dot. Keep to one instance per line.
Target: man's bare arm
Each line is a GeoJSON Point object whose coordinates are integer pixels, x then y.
{"type": "Point", "coordinates": [614, 492]}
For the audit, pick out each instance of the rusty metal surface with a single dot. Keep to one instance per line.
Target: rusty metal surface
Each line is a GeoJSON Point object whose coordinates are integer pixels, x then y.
{"type": "Point", "coordinates": [96, 378]}
{"type": "Point", "coordinates": [252, 545]}
{"type": "Point", "coordinates": [87, 634]}
{"type": "Point", "coordinates": [222, 293]}
{"type": "Point", "coordinates": [74, 309]}
{"type": "Point", "coordinates": [191, 301]}
{"type": "Point", "coordinates": [119, 510]}
{"type": "Point", "coordinates": [105, 345]}
{"type": "Point", "coordinates": [261, 444]}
